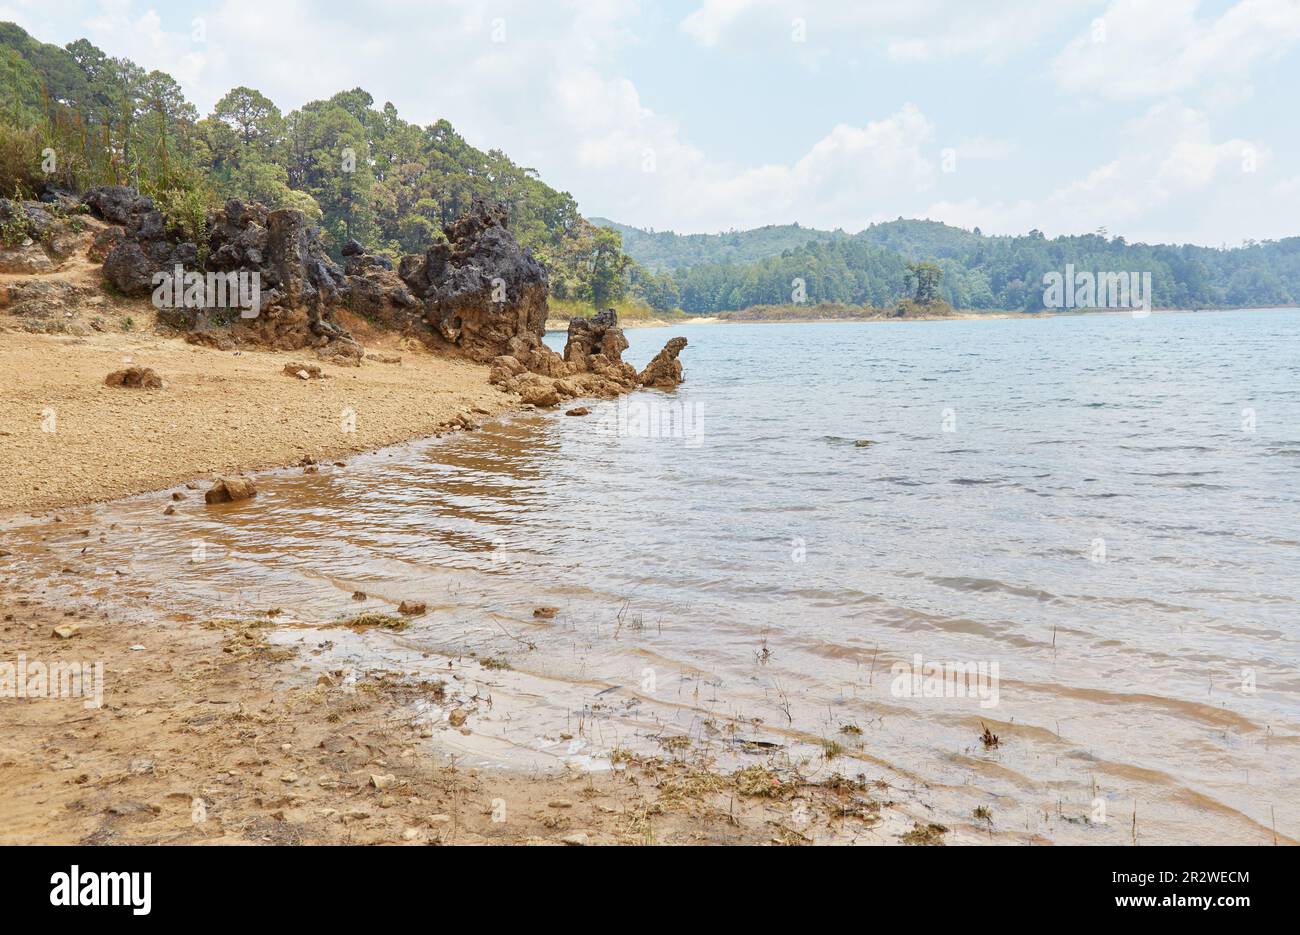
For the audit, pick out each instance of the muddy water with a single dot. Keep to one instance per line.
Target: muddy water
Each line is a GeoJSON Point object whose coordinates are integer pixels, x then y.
{"type": "Point", "coordinates": [1099, 516]}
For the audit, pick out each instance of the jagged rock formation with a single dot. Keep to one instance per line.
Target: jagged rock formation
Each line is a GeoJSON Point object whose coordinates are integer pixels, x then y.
{"type": "Point", "coordinates": [599, 335]}
{"type": "Point", "coordinates": [480, 292]}
{"type": "Point", "coordinates": [664, 372]}
{"type": "Point", "coordinates": [480, 289]}
{"type": "Point", "coordinates": [376, 292]}
{"type": "Point", "coordinates": [146, 245]}
{"type": "Point", "coordinates": [297, 281]}
{"type": "Point", "coordinates": [592, 364]}
{"type": "Point", "coordinates": [37, 236]}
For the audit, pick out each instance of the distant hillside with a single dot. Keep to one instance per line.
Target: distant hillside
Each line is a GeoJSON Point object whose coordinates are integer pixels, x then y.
{"type": "Point", "coordinates": [665, 250]}
{"type": "Point", "coordinates": [740, 269]}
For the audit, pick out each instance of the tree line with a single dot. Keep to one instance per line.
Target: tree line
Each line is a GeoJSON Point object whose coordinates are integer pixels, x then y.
{"type": "Point", "coordinates": [977, 271]}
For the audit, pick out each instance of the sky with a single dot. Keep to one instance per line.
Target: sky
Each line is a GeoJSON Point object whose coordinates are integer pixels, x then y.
{"type": "Point", "coordinates": [1159, 120]}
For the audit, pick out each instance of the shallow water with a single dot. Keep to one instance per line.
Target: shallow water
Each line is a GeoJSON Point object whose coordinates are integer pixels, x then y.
{"type": "Point", "coordinates": [1101, 511]}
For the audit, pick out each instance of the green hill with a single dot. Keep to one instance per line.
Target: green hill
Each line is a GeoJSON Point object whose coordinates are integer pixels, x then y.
{"type": "Point", "coordinates": [665, 250]}
{"type": "Point", "coordinates": [739, 269]}
{"type": "Point", "coordinates": [358, 169]}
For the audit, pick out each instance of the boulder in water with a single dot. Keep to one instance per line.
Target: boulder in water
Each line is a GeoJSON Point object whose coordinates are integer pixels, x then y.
{"type": "Point", "coordinates": [228, 489]}
{"type": "Point", "coordinates": [664, 372]}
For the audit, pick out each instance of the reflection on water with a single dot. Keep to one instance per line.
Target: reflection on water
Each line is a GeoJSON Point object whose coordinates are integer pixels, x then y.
{"type": "Point", "coordinates": [1105, 507]}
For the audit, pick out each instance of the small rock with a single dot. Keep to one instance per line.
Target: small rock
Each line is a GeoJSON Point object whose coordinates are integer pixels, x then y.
{"type": "Point", "coordinates": [382, 781]}
{"type": "Point", "coordinates": [303, 371]}
{"type": "Point", "coordinates": [575, 840]}
{"type": "Point", "coordinates": [457, 717]}
{"type": "Point", "coordinates": [134, 377]}
{"type": "Point", "coordinates": [560, 803]}
{"type": "Point", "coordinates": [578, 411]}
{"type": "Point", "coordinates": [227, 489]}
{"type": "Point", "coordinates": [178, 496]}
{"type": "Point", "coordinates": [66, 631]}
{"type": "Point", "coordinates": [545, 613]}
{"type": "Point", "coordinates": [411, 608]}
{"type": "Point", "coordinates": [170, 511]}
{"type": "Point", "coordinates": [358, 595]}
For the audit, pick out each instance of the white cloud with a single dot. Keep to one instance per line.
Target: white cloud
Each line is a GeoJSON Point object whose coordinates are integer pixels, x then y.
{"type": "Point", "coordinates": [1155, 48]}
{"type": "Point", "coordinates": [909, 30]}
{"type": "Point", "coordinates": [1173, 181]}
{"type": "Point", "coordinates": [556, 95]}
{"type": "Point", "coordinates": [985, 148]}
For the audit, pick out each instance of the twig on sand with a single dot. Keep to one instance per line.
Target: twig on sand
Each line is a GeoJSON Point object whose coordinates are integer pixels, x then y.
{"type": "Point", "coordinates": [520, 641]}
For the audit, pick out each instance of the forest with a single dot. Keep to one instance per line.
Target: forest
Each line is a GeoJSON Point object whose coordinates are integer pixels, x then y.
{"type": "Point", "coordinates": [720, 272]}
{"type": "Point", "coordinates": [74, 117]}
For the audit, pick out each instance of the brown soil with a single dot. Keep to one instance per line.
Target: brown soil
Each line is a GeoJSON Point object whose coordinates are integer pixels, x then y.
{"type": "Point", "coordinates": [210, 734]}
{"type": "Point", "coordinates": [218, 411]}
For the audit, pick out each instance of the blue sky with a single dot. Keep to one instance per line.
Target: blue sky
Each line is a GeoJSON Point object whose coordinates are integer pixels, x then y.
{"type": "Point", "coordinates": [1162, 120]}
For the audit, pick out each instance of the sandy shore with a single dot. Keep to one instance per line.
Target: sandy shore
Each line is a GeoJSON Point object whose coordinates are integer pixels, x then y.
{"type": "Point", "coordinates": [67, 438]}
{"type": "Point", "coordinates": [232, 731]}
{"type": "Point", "coordinates": [207, 732]}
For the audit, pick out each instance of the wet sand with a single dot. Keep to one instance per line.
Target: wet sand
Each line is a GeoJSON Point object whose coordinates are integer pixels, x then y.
{"type": "Point", "coordinates": [209, 733]}
{"type": "Point", "coordinates": [225, 729]}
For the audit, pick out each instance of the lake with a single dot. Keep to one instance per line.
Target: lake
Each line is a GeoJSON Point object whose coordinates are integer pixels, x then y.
{"type": "Point", "coordinates": [855, 545]}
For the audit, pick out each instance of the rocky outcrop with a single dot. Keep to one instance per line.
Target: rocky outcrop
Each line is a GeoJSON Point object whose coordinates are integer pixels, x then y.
{"type": "Point", "coordinates": [478, 292]}
{"type": "Point", "coordinates": [589, 337]}
{"type": "Point", "coordinates": [117, 204]}
{"type": "Point", "coordinates": [480, 289]}
{"type": "Point", "coordinates": [664, 372]}
{"type": "Point", "coordinates": [592, 364]}
{"type": "Point", "coordinates": [297, 284]}
{"type": "Point", "coordinates": [595, 345]}
{"type": "Point", "coordinates": [376, 292]}
{"type": "Point", "coordinates": [147, 245]}
{"type": "Point", "coordinates": [37, 236]}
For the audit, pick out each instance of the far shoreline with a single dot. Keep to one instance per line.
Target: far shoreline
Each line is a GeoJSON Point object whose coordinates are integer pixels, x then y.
{"type": "Point", "coordinates": [553, 326]}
